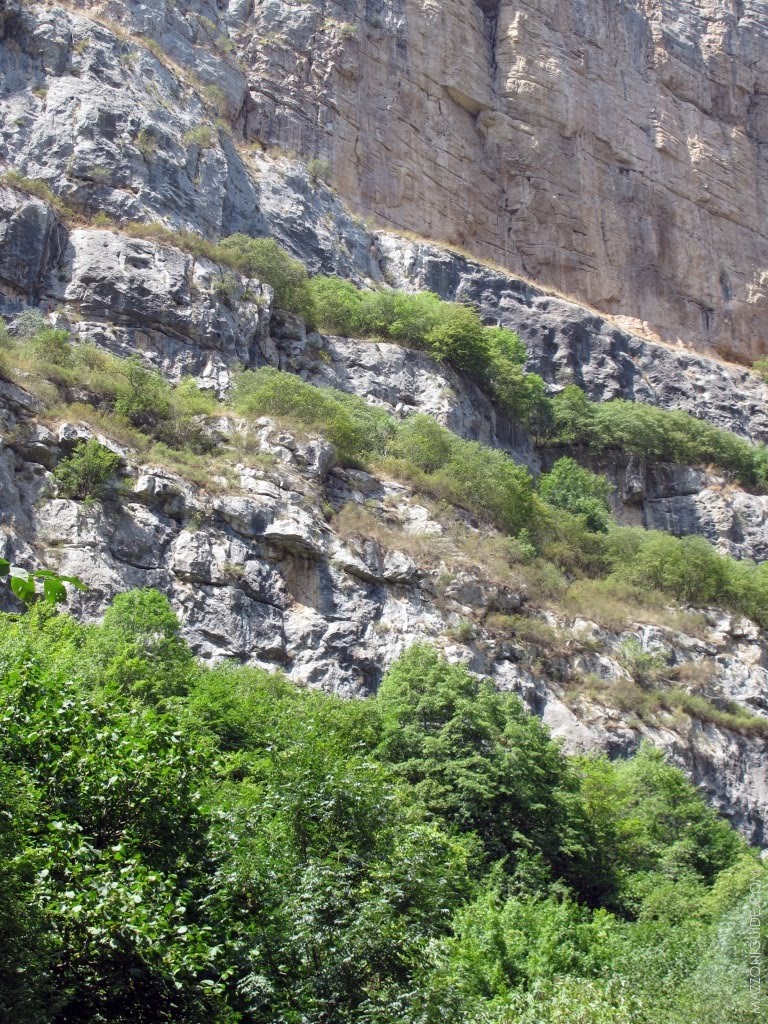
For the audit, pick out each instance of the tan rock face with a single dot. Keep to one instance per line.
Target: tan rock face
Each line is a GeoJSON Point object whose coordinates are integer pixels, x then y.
{"type": "Point", "coordinates": [614, 149]}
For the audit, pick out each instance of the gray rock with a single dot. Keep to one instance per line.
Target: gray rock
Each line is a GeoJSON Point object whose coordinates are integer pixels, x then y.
{"type": "Point", "coordinates": [570, 344]}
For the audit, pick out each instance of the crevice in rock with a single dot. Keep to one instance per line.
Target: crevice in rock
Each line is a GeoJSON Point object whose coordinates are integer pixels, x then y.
{"type": "Point", "coordinates": [490, 9]}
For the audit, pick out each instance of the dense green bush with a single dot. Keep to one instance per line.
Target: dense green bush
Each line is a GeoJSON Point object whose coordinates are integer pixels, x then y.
{"type": "Point", "coordinates": [483, 480]}
{"type": "Point", "coordinates": [127, 390]}
{"type": "Point", "coordinates": [689, 569]}
{"type": "Point", "coordinates": [494, 357]}
{"type": "Point", "coordinates": [571, 487]}
{"type": "Point", "coordinates": [450, 331]}
{"type": "Point", "coordinates": [486, 482]}
{"type": "Point", "coordinates": [143, 396]}
{"type": "Point", "coordinates": [53, 346]}
{"type": "Point", "coordinates": [146, 400]}
{"type": "Point", "coordinates": [357, 430]}
{"type": "Point", "coordinates": [87, 471]}
{"type": "Point", "coordinates": [139, 649]}
{"type": "Point", "coordinates": [186, 844]}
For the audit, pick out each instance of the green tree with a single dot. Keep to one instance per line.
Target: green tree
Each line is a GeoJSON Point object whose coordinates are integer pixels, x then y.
{"type": "Point", "coordinates": [139, 648]}
{"type": "Point", "coordinates": [477, 761]}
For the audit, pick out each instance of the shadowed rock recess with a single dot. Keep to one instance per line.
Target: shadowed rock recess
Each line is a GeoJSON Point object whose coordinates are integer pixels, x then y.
{"type": "Point", "coordinates": [606, 149]}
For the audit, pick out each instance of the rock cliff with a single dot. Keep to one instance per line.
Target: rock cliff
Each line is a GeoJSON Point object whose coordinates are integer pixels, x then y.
{"type": "Point", "coordinates": [614, 150]}
{"type": "Point", "coordinates": [495, 126]}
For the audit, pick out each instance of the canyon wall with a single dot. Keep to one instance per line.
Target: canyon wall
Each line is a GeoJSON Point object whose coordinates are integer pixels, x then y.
{"type": "Point", "coordinates": [613, 150]}
{"type": "Point", "coordinates": [480, 125]}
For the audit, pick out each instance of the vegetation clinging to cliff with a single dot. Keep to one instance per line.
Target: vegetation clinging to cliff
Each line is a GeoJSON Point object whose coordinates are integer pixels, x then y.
{"type": "Point", "coordinates": [560, 521]}
{"type": "Point", "coordinates": [565, 520]}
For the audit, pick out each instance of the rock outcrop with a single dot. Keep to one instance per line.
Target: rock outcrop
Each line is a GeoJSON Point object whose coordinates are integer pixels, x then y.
{"type": "Point", "coordinates": [495, 126]}
{"type": "Point", "coordinates": [490, 124]}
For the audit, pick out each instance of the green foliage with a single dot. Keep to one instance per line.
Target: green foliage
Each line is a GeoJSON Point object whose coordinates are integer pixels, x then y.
{"type": "Point", "coordinates": [189, 844]}
{"type": "Point", "coordinates": [140, 407]}
{"type": "Point", "coordinates": [31, 585]}
{"type": "Point", "coordinates": [481, 479]}
{"type": "Point", "coordinates": [29, 323]}
{"type": "Point", "coordinates": [356, 429]}
{"type": "Point", "coordinates": [36, 187]}
{"type": "Point", "coordinates": [459, 338]}
{"type": "Point", "coordinates": [23, 940]}
{"type": "Point", "coordinates": [330, 888]}
{"type": "Point", "coordinates": [128, 391]}
{"type": "Point", "coordinates": [644, 666]}
{"type": "Point", "coordinates": [143, 395]}
{"type": "Point", "coordinates": [113, 861]}
{"type": "Point", "coordinates": [53, 346]}
{"type": "Point", "coordinates": [690, 569]}
{"type": "Point", "coordinates": [202, 136]}
{"type": "Point", "coordinates": [653, 823]}
{"type": "Point", "coordinates": [760, 366]}
{"type": "Point", "coordinates": [319, 170]}
{"type": "Point", "coordinates": [139, 649]}
{"type": "Point", "coordinates": [494, 357]}
{"type": "Point", "coordinates": [336, 304]}
{"type": "Point", "coordinates": [478, 762]}
{"type": "Point", "coordinates": [570, 487]}
{"type": "Point", "coordinates": [653, 433]}
{"type": "Point", "coordinates": [263, 258]}
{"type": "Point", "coordinates": [421, 441]}
{"type": "Point", "coordinates": [450, 331]}
{"type": "Point", "coordinates": [146, 143]}
{"type": "Point", "coordinates": [84, 475]}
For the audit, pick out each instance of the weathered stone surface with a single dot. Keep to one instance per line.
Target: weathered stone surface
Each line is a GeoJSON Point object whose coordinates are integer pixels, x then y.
{"type": "Point", "coordinates": [531, 109]}
{"type": "Point", "coordinates": [570, 344]}
{"type": "Point", "coordinates": [29, 239]}
{"type": "Point", "coordinates": [659, 111]}
{"type": "Point", "coordinates": [137, 295]}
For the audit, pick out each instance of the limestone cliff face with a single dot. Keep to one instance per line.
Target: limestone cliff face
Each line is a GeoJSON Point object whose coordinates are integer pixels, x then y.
{"type": "Point", "coordinates": [614, 150]}
{"type": "Point", "coordinates": [502, 127]}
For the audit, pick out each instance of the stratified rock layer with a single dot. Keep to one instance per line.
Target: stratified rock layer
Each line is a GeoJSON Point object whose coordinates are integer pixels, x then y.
{"type": "Point", "coordinates": [614, 150]}
{"type": "Point", "coordinates": [433, 120]}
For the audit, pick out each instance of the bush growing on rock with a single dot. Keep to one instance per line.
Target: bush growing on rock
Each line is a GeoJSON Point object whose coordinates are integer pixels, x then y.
{"type": "Point", "coordinates": [264, 259]}
{"type": "Point", "coordinates": [356, 429]}
{"type": "Point", "coordinates": [53, 346]}
{"type": "Point", "coordinates": [143, 396]}
{"type": "Point", "coordinates": [335, 305]}
{"type": "Point", "coordinates": [86, 473]}
{"type": "Point", "coordinates": [653, 433]}
{"type": "Point", "coordinates": [483, 480]}
{"type": "Point", "coordinates": [571, 487]}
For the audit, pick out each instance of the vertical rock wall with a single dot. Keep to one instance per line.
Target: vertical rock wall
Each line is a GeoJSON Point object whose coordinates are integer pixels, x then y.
{"type": "Point", "coordinates": [614, 149]}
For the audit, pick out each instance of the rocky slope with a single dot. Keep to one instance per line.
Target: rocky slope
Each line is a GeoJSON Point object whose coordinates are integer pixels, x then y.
{"type": "Point", "coordinates": [491, 125]}
{"type": "Point", "coordinates": [494, 125]}
{"type": "Point", "coordinates": [292, 562]}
